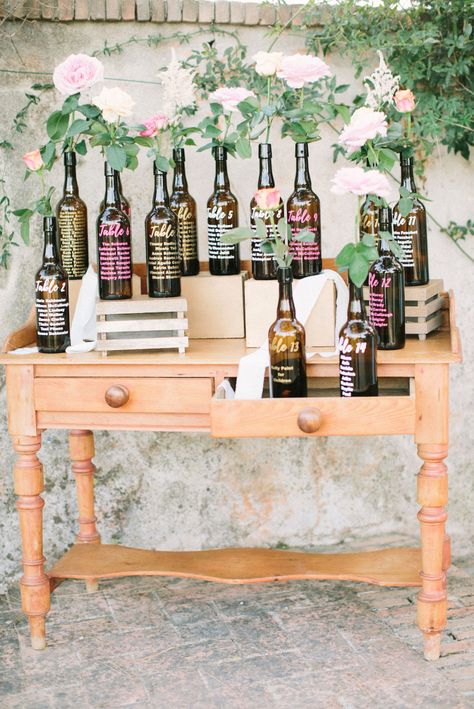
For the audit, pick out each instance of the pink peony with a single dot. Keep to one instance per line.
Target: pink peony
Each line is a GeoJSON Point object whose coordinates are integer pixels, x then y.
{"type": "Point", "coordinates": [268, 198]}
{"type": "Point", "coordinates": [33, 160]}
{"type": "Point", "coordinates": [365, 124]}
{"type": "Point", "coordinates": [76, 73]}
{"type": "Point", "coordinates": [360, 182]}
{"type": "Point", "coordinates": [300, 69]}
{"type": "Point", "coordinates": [229, 98]}
{"type": "Point", "coordinates": [404, 101]}
{"type": "Point", "coordinates": [154, 124]}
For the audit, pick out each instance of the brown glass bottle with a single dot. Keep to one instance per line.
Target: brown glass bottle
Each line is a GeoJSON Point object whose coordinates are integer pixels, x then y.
{"type": "Point", "coordinates": [286, 344]}
{"type": "Point", "coordinates": [162, 245]}
{"type": "Point", "coordinates": [184, 206]}
{"type": "Point", "coordinates": [369, 219]}
{"type": "Point", "coordinates": [124, 203]}
{"type": "Point", "coordinates": [410, 232]}
{"type": "Point", "coordinates": [222, 215]}
{"type": "Point", "coordinates": [387, 292]}
{"type": "Point", "coordinates": [303, 211]}
{"type": "Point", "coordinates": [114, 248]}
{"type": "Point", "coordinates": [71, 214]}
{"type": "Point", "coordinates": [357, 350]}
{"type": "Point", "coordinates": [52, 296]}
{"type": "Point", "coordinates": [264, 267]}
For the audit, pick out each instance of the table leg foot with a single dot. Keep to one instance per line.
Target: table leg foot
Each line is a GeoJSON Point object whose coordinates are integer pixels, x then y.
{"type": "Point", "coordinates": [92, 585]}
{"type": "Point", "coordinates": [432, 646]}
{"type": "Point", "coordinates": [34, 585]}
{"type": "Point", "coordinates": [38, 632]}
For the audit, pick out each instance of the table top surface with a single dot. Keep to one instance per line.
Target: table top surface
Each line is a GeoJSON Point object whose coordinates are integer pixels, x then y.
{"type": "Point", "coordinates": [436, 349]}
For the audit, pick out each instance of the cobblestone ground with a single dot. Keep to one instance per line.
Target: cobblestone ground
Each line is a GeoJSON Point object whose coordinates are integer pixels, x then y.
{"type": "Point", "coordinates": [171, 643]}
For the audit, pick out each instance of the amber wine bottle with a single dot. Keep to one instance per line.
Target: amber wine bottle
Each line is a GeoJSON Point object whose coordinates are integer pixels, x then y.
{"type": "Point", "coordinates": [114, 246]}
{"type": "Point", "coordinates": [303, 212]}
{"type": "Point", "coordinates": [264, 266]}
{"type": "Point", "coordinates": [52, 296]}
{"type": "Point", "coordinates": [162, 246]}
{"type": "Point", "coordinates": [286, 343]}
{"type": "Point", "coordinates": [184, 206]}
{"type": "Point", "coordinates": [357, 350]}
{"type": "Point", "coordinates": [124, 203]}
{"type": "Point", "coordinates": [410, 232]}
{"type": "Point", "coordinates": [369, 219]}
{"type": "Point", "coordinates": [387, 292]}
{"type": "Point", "coordinates": [71, 213]}
{"type": "Point", "coordinates": [222, 215]}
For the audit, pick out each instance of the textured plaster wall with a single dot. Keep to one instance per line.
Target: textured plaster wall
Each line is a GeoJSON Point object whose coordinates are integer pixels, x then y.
{"type": "Point", "coordinates": [178, 491]}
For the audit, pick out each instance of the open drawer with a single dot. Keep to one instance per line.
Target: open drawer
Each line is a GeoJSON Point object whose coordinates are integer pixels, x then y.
{"type": "Point", "coordinates": [323, 413]}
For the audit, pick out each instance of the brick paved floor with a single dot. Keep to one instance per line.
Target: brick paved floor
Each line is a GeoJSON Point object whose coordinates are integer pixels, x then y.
{"type": "Point", "coordinates": [150, 642]}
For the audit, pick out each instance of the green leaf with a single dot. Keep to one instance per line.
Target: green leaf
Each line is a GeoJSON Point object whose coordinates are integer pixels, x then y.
{"type": "Point", "coordinates": [70, 104]}
{"type": "Point", "coordinates": [89, 110]}
{"type": "Point", "coordinates": [162, 163]}
{"type": "Point", "coordinates": [343, 111]}
{"type": "Point", "coordinates": [48, 153]}
{"type": "Point", "coordinates": [345, 255]}
{"type": "Point", "coordinates": [368, 240]}
{"type": "Point", "coordinates": [358, 269]}
{"type": "Point", "coordinates": [404, 191]}
{"type": "Point", "coordinates": [24, 213]}
{"type": "Point", "coordinates": [267, 246]}
{"type": "Point", "coordinates": [56, 125]}
{"type": "Point", "coordinates": [405, 206]}
{"type": "Point", "coordinates": [341, 88]}
{"type": "Point", "coordinates": [116, 157]}
{"type": "Point", "coordinates": [132, 162]}
{"type": "Point", "coordinates": [78, 126]}
{"type": "Point", "coordinates": [81, 147]}
{"type": "Point", "coordinates": [235, 236]}
{"type": "Point", "coordinates": [25, 231]}
{"type": "Point", "coordinates": [143, 141]}
{"type": "Point", "coordinates": [282, 227]}
{"type": "Point", "coordinates": [243, 148]}
{"type": "Point", "coordinates": [304, 235]}
{"type": "Point", "coordinates": [260, 228]}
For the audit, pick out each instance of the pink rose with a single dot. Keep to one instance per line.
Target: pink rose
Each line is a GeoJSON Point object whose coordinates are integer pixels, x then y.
{"type": "Point", "coordinates": [404, 101]}
{"type": "Point", "coordinates": [33, 160]}
{"type": "Point", "coordinates": [365, 124]}
{"type": "Point", "coordinates": [229, 98]}
{"type": "Point", "coordinates": [360, 182]}
{"type": "Point", "coordinates": [154, 124]}
{"type": "Point", "coordinates": [268, 199]}
{"type": "Point", "coordinates": [76, 73]}
{"type": "Point", "coordinates": [300, 69]}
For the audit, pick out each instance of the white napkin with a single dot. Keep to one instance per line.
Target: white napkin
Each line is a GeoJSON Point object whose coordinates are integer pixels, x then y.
{"type": "Point", "coordinates": [251, 374]}
{"type": "Point", "coordinates": [84, 327]}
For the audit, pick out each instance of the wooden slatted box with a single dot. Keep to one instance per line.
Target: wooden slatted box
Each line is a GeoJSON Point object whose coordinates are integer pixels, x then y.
{"type": "Point", "coordinates": [141, 323]}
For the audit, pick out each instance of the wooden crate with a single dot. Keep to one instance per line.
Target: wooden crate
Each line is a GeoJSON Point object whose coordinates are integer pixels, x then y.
{"type": "Point", "coordinates": [423, 308]}
{"type": "Point", "coordinates": [141, 323]}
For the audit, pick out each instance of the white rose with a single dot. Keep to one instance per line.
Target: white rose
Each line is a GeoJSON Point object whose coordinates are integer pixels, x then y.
{"type": "Point", "coordinates": [114, 104]}
{"type": "Point", "coordinates": [267, 63]}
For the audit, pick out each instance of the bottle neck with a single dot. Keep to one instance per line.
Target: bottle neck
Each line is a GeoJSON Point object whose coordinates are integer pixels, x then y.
{"type": "Point", "coordinates": [222, 179]}
{"type": "Point", "coordinates": [356, 310]}
{"type": "Point", "coordinates": [286, 306]}
{"type": "Point", "coordinates": [70, 181]}
{"type": "Point", "coordinates": [112, 198]}
{"type": "Point", "coordinates": [180, 183]}
{"type": "Point", "coordinates": [384, 248]}
{"type": "Point", "coordinates": [265, 175]}
{"type": "Point", "coordinates": [302, 178]}
{"type": "Point", "coordinates": [160, 196]}
{"type": "Point", "coordinates": [50, 252]}
{"type": "Point", "coordinates": [407, 179]}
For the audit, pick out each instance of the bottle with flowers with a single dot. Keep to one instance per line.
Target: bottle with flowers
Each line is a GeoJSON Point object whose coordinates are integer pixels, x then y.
{"type": "Point", "coordinates": [286, 336]}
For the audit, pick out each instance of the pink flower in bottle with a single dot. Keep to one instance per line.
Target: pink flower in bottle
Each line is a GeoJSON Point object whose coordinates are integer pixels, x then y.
{"type": "Point", "coordinates": [76, 73]}
{"type": "Point", "coordinates": [300, 69]}
{"type": "Point", "coordinates": [229, 98]}
{"type": "Point", "coordinates": [365, 124]}
{"type": "Point", "coordinates": [404, 101]}
{"type": "Point", "coordinates": [33, 160]}
{"type": "Point", "coordinates": [357, 181]}
{"type": "Point", "coordinates": [154, 124]}
{"type": "Point", "coordinates": [268, 198]}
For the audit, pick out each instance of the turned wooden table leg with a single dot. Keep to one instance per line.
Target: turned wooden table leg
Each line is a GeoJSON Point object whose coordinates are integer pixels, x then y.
{"type": "Point", "coordinates": [433, 496]}
{"type": "Point", "coordinates": [35, 588]}
{"type": "Point", "coordinates": [81, 448]}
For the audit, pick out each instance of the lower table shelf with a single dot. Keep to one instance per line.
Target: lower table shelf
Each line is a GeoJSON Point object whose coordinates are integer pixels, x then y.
{"type": "Point", "coordinates": [386, 567]}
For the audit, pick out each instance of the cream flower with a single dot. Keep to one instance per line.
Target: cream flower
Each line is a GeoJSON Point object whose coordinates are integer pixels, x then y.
{"type": "Point", "coordinates": [381, 85]}
{"type": "Point", "coordinates": [178, 87]}
{"type": "Point", "coordinates": [114, 104]}
{"type": "Point", "coordinates": [267, 63]}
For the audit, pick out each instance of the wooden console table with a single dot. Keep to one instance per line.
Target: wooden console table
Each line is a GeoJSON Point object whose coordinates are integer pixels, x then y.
{"type": "Point", "coordinates": [172, 392]}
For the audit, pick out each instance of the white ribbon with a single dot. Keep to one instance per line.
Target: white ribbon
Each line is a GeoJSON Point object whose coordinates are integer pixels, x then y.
{"type": "Point", "coordinates": [251, 374]}
{"type": "Point", "coordinates": [84, 326]}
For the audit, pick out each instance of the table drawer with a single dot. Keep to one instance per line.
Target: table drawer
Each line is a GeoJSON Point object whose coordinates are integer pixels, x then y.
{"type": "Point", "coordinates": [312, 416]}
{"type": "Point", "coordinates": [168, 395]}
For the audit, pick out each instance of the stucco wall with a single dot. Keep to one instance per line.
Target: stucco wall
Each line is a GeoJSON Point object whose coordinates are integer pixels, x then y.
{"type": "Point", "coordinates": [178, 491]}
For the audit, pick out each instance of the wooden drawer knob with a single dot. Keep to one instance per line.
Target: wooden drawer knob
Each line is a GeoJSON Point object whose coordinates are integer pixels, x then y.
{"type": "Point", "coordinates": [117, 396]}
{"type": "Point", "coordinates": [309, 420]}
